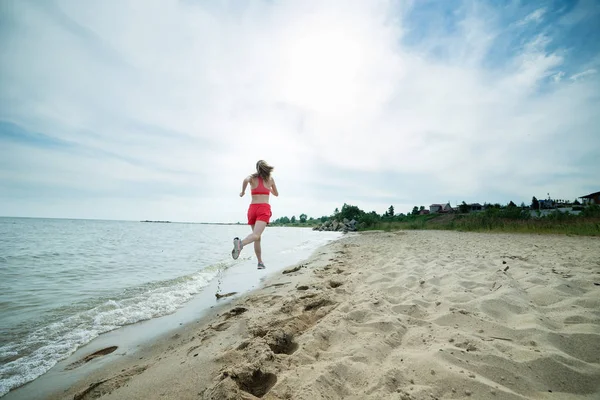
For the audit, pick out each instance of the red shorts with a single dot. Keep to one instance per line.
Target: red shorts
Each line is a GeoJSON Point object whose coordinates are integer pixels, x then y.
{"type": "Point", "coordinates": [259, 212]}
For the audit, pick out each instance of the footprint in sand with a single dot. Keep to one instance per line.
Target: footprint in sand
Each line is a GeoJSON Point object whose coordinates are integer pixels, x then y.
{"type": "Point", "coordinates": [90, 357]}
{"type": "Point", "coordinates": [106, 386]}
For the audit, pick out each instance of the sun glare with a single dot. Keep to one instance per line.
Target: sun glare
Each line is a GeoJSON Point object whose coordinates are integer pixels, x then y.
{"type": "Point", "coordinates": [322, 68]}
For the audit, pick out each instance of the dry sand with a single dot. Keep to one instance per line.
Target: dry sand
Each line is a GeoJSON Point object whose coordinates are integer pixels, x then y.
{"type": "Point", "coordinates": [403, 315]}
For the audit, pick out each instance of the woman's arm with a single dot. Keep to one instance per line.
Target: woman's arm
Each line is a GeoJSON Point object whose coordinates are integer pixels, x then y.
{"type": "Point", "coordinates": [244, 185]}
{"type": "Point", "coordinates": [274, 187]}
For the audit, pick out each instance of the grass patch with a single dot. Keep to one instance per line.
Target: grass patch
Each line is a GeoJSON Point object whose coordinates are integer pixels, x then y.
{"type": "Point", "coordinates": [482, 222]}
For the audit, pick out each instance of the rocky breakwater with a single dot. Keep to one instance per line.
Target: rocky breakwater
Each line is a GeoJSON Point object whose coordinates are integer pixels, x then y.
{"type": "Point", "coordinates": [337, 226]}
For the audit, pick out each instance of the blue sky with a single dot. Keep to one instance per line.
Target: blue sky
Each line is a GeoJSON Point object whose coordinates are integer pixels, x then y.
{"type": "Point", "coordinates": [158, 109]}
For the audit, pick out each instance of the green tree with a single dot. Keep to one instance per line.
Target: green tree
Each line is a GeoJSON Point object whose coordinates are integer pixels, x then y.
{"type": "Point", "coordinates": [535, 204]}
{"type": "Point", "coordinates": [421, 208]}
{"type": "Point", "coordinates": [576, 202]}
{"type": "Point", "coordinates": [303, 218]}
{"type": "Point", "coordinates": [415, 210]}
{"type": "Point", "coordinates": [293, 219]}
{"type": "Point", "coordinates": [284, 220]}
{"type": "Point", "coordinates": [369, 219]}
{"type": "Point", "coordinates": [336, 214]}
{"type": "Point", "coordinates": [511, 204]}
{"type": "Point", "coordinates": [350, 212]}
{"type": "Point", "coordinates": [463, 208]}
{"type": "Point", "coordinates": [390, 211]}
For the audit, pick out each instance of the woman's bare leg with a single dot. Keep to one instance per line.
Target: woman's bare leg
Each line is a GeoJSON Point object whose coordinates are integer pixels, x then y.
{"type": "Point", "coordinates": [257, 230]}
{"type": "Point", "coordinates": [257, 249]}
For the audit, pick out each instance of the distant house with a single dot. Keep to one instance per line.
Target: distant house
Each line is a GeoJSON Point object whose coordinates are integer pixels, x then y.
{"type": "Point", "coordinates": [549, 203]}
{"type": "Point", "coordinates": [440, 208]}
{"type": "Point", "coordinates": [473, 207]}
{"type": "Point", "coordinates": [423, 212]}
{"type": "Point", "coordinates": [592, 198]}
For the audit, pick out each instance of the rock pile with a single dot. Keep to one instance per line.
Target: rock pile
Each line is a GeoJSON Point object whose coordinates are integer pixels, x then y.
{"type": "Point", "coordinates": [334, 225]}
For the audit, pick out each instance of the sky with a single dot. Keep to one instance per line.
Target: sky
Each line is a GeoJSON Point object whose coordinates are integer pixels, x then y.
{"type": "Point", "coordinates": [158, 109]}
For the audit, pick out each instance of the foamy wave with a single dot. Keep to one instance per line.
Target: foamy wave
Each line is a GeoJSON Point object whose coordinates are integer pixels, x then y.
{"type": "Point", "coordinates": [59, 340]}
{"type": "Point", "coordinates": [311, 244]}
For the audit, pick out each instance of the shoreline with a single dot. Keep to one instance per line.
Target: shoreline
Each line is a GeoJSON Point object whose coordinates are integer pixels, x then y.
{"type": "Point", "coordinates": [408, 315]}
{"type": "Point", "coordinates": [99, 368]}
{"type": "Point", "coordinates": [238, 278]}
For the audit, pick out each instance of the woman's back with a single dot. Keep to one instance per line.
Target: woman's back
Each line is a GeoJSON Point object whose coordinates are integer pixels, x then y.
{"type": "Point", "coordinates": [258, 186]}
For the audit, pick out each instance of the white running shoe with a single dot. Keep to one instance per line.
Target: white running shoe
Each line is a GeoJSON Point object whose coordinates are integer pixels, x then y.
{"type": "Point", "coordinates": [237, 248]}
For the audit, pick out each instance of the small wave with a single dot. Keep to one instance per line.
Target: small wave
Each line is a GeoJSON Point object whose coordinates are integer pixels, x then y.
{"type": "Point", "coordinates": [43, 348]}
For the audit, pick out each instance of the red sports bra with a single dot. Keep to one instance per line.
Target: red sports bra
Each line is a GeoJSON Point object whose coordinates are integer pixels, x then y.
{"type": "Point", "coordinates": [260, 189]}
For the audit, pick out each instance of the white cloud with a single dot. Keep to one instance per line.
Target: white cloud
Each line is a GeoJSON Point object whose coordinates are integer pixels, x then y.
{"type": "Point", "coordinates": [558, 76]}
{"type": "Point", "coordinates": [188, 95]}
{"type": "Point", "coordinates": [583, 74]}
{"type": "Point", "coordinates": [535, 17]}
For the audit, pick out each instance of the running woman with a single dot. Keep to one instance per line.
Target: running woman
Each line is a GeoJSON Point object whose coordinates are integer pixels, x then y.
{"type": "Point", "coordinates": [262, 185]}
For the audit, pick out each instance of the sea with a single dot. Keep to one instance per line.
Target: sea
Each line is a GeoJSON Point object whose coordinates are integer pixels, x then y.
{"type": "Point", "coordinates": [65, 282]}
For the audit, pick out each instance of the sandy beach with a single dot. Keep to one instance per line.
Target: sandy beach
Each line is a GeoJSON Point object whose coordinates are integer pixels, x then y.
{"type": "Point", "coordinates": [399, 315]}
